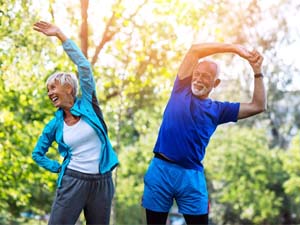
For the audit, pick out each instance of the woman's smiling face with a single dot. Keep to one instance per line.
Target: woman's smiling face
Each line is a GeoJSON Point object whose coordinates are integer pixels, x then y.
{"type": "Point", "coordinates": [60, 95]}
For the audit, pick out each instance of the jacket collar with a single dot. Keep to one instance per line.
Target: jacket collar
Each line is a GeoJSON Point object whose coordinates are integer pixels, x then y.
{"type": "Point", "coordinates": [74, 110]}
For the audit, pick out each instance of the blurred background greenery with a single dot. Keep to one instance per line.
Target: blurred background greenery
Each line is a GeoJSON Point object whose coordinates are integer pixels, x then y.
{"type": "Point", "coordinates": [135, 47]}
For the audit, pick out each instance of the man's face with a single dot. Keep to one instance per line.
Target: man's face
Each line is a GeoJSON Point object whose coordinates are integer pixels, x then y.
{"type": "Point", "coordinates": [204, 79]}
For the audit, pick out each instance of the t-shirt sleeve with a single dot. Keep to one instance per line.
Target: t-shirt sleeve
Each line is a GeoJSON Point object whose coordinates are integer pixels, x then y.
{"type": "Point", "coordinates": [228, 112]}
{"type": "Point", "coordinates": [180, 85]}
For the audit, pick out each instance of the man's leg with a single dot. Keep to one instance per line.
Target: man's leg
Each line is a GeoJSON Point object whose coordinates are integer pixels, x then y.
{"type": "Point", "coordinates": [156, 218]}
{"type": "Point", "coordinates": [192, 197]}
{"type": "Point", "coordinates": [196, 219]}
{"type": "Point", "coordinates": [158, 191]}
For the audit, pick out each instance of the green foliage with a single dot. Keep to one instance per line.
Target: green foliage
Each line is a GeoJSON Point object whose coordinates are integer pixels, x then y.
{"type": "Point", "coordinates": [292, 167]}
{"type": "Point", "coordinates": [245, 177]}
{"type": "Point", "coordinates": [134, 163]}
{"type": "Point", "coordinates": [24, 109]}
{"type": "Point", "coordinates": [292, 184]}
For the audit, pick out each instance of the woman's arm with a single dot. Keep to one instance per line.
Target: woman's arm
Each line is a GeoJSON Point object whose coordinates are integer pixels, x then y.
{"type": "Point", "coordinates": [42, 147]}
{"type": "Point", "coordinates": [50, 30]}
{"type": "Point", "coordinates": [87, 83]}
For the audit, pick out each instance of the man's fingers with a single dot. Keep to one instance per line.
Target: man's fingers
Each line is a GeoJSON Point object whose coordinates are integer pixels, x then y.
{"type": "Point", "coordinates": [255, 57]}
{"type": "Point", "coordinates": [258, 62]}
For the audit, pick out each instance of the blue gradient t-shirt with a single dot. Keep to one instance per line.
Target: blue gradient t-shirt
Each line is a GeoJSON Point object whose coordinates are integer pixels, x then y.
{"type": "Point", "coordinates": [188, 123]}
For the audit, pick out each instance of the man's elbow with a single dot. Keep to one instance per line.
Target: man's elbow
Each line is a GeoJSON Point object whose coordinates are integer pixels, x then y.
{"type": "Point", "coordinates": [261, 108]}
{"type": "Point", "coordinates": [198, 49]}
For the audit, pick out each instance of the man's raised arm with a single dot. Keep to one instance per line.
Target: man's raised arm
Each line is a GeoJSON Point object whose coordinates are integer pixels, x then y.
{"type": "Point", "coordinates": [258, 103]}
{"type": "Point", "coordinates": [198, 51]}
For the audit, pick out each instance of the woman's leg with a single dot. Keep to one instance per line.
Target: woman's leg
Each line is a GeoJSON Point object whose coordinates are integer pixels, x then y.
{"type": "Point", "coordinates": [98, 206]}
{"type": "Point", "coordinates": [68, 202]}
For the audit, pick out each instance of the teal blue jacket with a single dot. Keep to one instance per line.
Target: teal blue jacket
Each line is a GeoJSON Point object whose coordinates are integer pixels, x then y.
{"type": "Point", "coordinates": [88, 109]}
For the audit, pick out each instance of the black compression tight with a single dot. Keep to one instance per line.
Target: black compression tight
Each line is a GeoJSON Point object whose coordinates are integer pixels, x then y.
{"type": "Point", "coordinates": [160, 218]}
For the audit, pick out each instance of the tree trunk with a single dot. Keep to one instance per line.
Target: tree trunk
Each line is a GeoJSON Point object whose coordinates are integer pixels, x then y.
{"type": "Point", "coordinates": [84, 27]}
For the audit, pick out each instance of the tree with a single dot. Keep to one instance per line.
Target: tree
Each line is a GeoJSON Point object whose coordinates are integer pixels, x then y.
{"type": "Point", "coordinates": [292, 184]}
{"type": "Point", "coordinates": [245, 178]}
{"type": "Point", "coordinates": [21, 115]}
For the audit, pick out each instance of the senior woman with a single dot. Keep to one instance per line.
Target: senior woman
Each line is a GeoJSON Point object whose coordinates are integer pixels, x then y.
{"type": "Point", "coordinates": [84, 181]}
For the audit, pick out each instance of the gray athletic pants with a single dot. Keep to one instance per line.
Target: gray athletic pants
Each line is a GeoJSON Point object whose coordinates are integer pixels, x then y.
{"type": "Point", "coordinates": [91, 193]}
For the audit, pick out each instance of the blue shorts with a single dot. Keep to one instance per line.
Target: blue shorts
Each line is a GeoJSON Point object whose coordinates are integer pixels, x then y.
{"type": "Point", "coordinates": [166, 181]}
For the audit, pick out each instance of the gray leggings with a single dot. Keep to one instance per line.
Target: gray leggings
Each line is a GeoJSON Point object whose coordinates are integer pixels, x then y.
{"type": "Point", "coordinates": [91, 193]}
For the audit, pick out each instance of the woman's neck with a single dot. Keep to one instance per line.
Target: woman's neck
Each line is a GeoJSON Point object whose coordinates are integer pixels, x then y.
{"type": "Point", "coordinates": [69, 118]}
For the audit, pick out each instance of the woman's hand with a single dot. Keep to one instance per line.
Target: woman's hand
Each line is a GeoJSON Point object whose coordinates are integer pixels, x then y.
{"type": "Point", "coordinates": [46, 28]}
{"type": "Point", "coordinates": [49, 30]}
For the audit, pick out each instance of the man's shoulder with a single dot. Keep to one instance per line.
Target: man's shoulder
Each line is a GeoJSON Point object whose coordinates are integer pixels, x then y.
{"type": "Point", "coordinates": [180, 85]}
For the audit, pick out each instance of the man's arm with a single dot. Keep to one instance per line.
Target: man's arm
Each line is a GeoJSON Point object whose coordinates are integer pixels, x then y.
{"type": "Point", "coordinates": [198, 51]}
{"type": "Point", "coordinates": [258, 103]}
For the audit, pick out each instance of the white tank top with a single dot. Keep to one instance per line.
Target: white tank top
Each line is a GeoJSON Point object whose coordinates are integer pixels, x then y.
{"type": "Point", "coordinates": [85, 147]}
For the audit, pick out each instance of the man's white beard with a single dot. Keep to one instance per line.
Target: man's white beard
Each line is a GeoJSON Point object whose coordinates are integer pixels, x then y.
{"type": "Point", "coordinates": [199, 92]}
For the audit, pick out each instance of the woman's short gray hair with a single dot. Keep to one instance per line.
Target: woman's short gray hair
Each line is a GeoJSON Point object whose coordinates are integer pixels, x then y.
{"type": "Point", "coordinates": [65, 78]}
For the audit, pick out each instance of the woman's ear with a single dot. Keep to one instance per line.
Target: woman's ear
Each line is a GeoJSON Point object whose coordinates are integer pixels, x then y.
{"type": "Point", "coordinates": [69, 89]}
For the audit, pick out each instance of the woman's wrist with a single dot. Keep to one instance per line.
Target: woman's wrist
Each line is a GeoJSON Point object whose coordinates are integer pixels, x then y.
{"type": "Point", "coordinates": [61, 36]}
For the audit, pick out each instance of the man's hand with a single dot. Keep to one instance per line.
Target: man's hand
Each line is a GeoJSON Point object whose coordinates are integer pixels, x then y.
{"type": "Point", "coordinates": [49, 30]}
{"type": "Point", "coordinates": [243, 52]}
{"type": "Point", "coordinates": [255, 61]}
{"type": "Point", "coordinates": [254, 58]}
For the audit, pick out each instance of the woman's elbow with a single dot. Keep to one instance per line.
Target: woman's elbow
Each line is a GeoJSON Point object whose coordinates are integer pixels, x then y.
{"type": "Point", "coordinates": [34, 156]}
